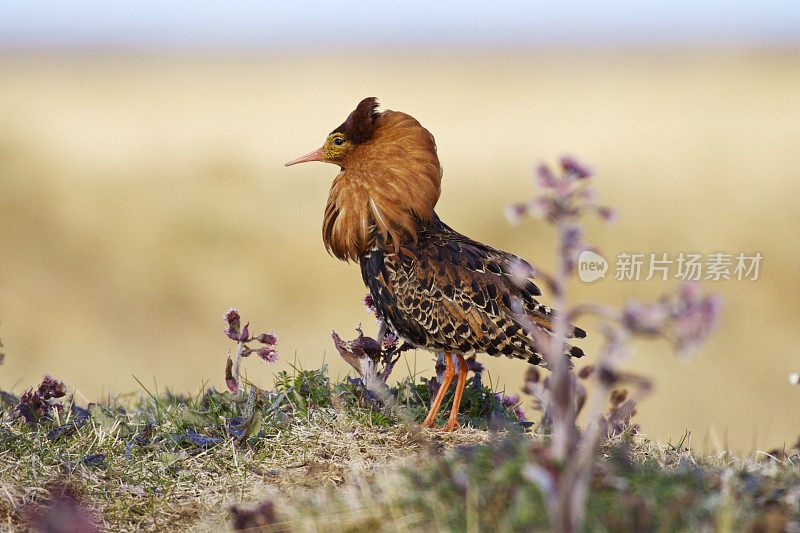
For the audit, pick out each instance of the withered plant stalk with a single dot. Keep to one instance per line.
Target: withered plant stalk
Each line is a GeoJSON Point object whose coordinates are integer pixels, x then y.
{"type": "Point", "coordinates": [686, 319]}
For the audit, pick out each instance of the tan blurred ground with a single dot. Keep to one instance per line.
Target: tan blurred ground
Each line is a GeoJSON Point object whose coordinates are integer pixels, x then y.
{"type": "Point", "coordinates": [142, 196]}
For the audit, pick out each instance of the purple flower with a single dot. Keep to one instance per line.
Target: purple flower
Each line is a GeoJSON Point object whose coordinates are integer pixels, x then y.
{"type": "Point", "coordinates": [233, 320]}
{"type": "Point", "coordinates": [543, 207]}
{"type": "Point", "coordinates": [687, 318]}
{"type": "Point", "coordinates": [389, 341]}
{"type": "Point", "coordinates": [232, 317]}
{"type": "Point", "coordinates": [564, 198]}
{"type": "Point", "coordinates": [643, 318]}
{"type": "Point", "coordinates": [546, 178]}
{"type": "Point", "coordinates": [51, 388]}
{"type": "Point", "coordinates": [509, 400]}
{"type": "Point", "coordinates": [241, 335]}
{"type": "Point", "coordinates": [515, 212]}
{"type": "Point", "coordinates": [571, 166]}
{"type": "Point", "coordinates": [511, 403]}
{"type": "Point", "coordinates": [267, 338]}
{"type": "Point", "coordinates": [370, 303]}
{"type": "Point", "coordinates": [607, 214]}
{"type": "Point", "coordinates": [35, 404]}
{"type": "Point", "coordinates": [695, 317]}
{"type": "Point", "coordinates": [268, 355]}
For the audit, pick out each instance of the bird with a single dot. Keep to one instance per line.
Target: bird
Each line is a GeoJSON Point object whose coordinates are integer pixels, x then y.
{"type": "Point", "coordinates": [431, 286]}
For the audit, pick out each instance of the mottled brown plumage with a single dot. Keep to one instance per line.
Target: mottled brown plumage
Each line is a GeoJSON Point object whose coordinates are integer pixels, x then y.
{"type": "Point", "coordinates": [447, 292]}
{"type": "Point", "coordinates": [433, 287]}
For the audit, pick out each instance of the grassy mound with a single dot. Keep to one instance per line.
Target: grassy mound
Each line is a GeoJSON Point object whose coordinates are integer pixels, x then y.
{"type": "Point", "coordinates": [312, 454]}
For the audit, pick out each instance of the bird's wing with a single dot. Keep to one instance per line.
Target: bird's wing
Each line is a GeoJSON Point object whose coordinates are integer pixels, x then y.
{"type": "Point", "coordinates": [454, 293]}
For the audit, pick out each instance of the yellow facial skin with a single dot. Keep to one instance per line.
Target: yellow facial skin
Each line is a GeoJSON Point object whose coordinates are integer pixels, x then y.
{"type": "Point", "coordinates": [335, 148]}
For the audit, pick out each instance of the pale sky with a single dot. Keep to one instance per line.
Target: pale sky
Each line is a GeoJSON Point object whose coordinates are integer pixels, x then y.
{"type": "Point", "coordinates": [263, 24]}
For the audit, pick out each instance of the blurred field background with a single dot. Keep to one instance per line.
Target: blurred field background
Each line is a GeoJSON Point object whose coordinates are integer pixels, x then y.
{"type": "Point", "coordinates": [143, 194]}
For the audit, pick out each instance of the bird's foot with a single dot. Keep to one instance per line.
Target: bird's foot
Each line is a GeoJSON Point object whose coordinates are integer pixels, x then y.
{"type": "Point", "coordinates": [427, 424]}
{"type": "Point", "coordinates": [451, 426]}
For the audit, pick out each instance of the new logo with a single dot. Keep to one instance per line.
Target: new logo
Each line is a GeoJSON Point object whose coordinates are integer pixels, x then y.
{"type": "Point", "coordinates": [591, 266]}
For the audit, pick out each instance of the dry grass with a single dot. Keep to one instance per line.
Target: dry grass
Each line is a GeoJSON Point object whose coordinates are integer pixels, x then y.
{"type": "Point", "coordinates": [142, 196]}
{"type": "Point", "coordinates": [638, 485]}
{"type": "Point", "coordinates": [331, 467]}
{"type": "Point", "coordinates": [139, 464]}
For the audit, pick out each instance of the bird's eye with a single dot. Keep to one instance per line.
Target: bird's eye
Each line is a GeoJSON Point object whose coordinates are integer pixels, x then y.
{"type": "Point", "coordinates": [338, 141]}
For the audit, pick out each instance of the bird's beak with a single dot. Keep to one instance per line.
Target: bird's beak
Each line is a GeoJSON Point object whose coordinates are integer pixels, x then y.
{"type": "Point", "coordinates": [316, 155]}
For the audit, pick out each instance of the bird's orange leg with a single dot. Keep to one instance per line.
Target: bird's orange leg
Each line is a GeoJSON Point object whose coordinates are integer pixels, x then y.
{"type": "Point", "coordinates": [462, 378]}
{"type": "Point", "coordinates": [449, 372]}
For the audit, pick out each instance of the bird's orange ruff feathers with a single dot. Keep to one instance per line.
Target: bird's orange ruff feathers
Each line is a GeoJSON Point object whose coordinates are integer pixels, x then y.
{"type": "Point", "coordinates": [390, 182]}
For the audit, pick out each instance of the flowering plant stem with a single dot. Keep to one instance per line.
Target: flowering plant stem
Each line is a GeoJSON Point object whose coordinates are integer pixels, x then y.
{"type": "Point", "coordinates": [563, 407]}
{"type": "Point", "coordinates": [237, 363]}
{"type": "Point", "coordinates": [685, 319]}
{"type": "Point", "coordinates": [568, 497]}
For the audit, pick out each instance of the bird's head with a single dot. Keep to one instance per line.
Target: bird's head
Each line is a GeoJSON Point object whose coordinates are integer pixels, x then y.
{"type": "Point", "coordinates": [389, 183]}
{"type": "Point", "coordinates": [341, 142]}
